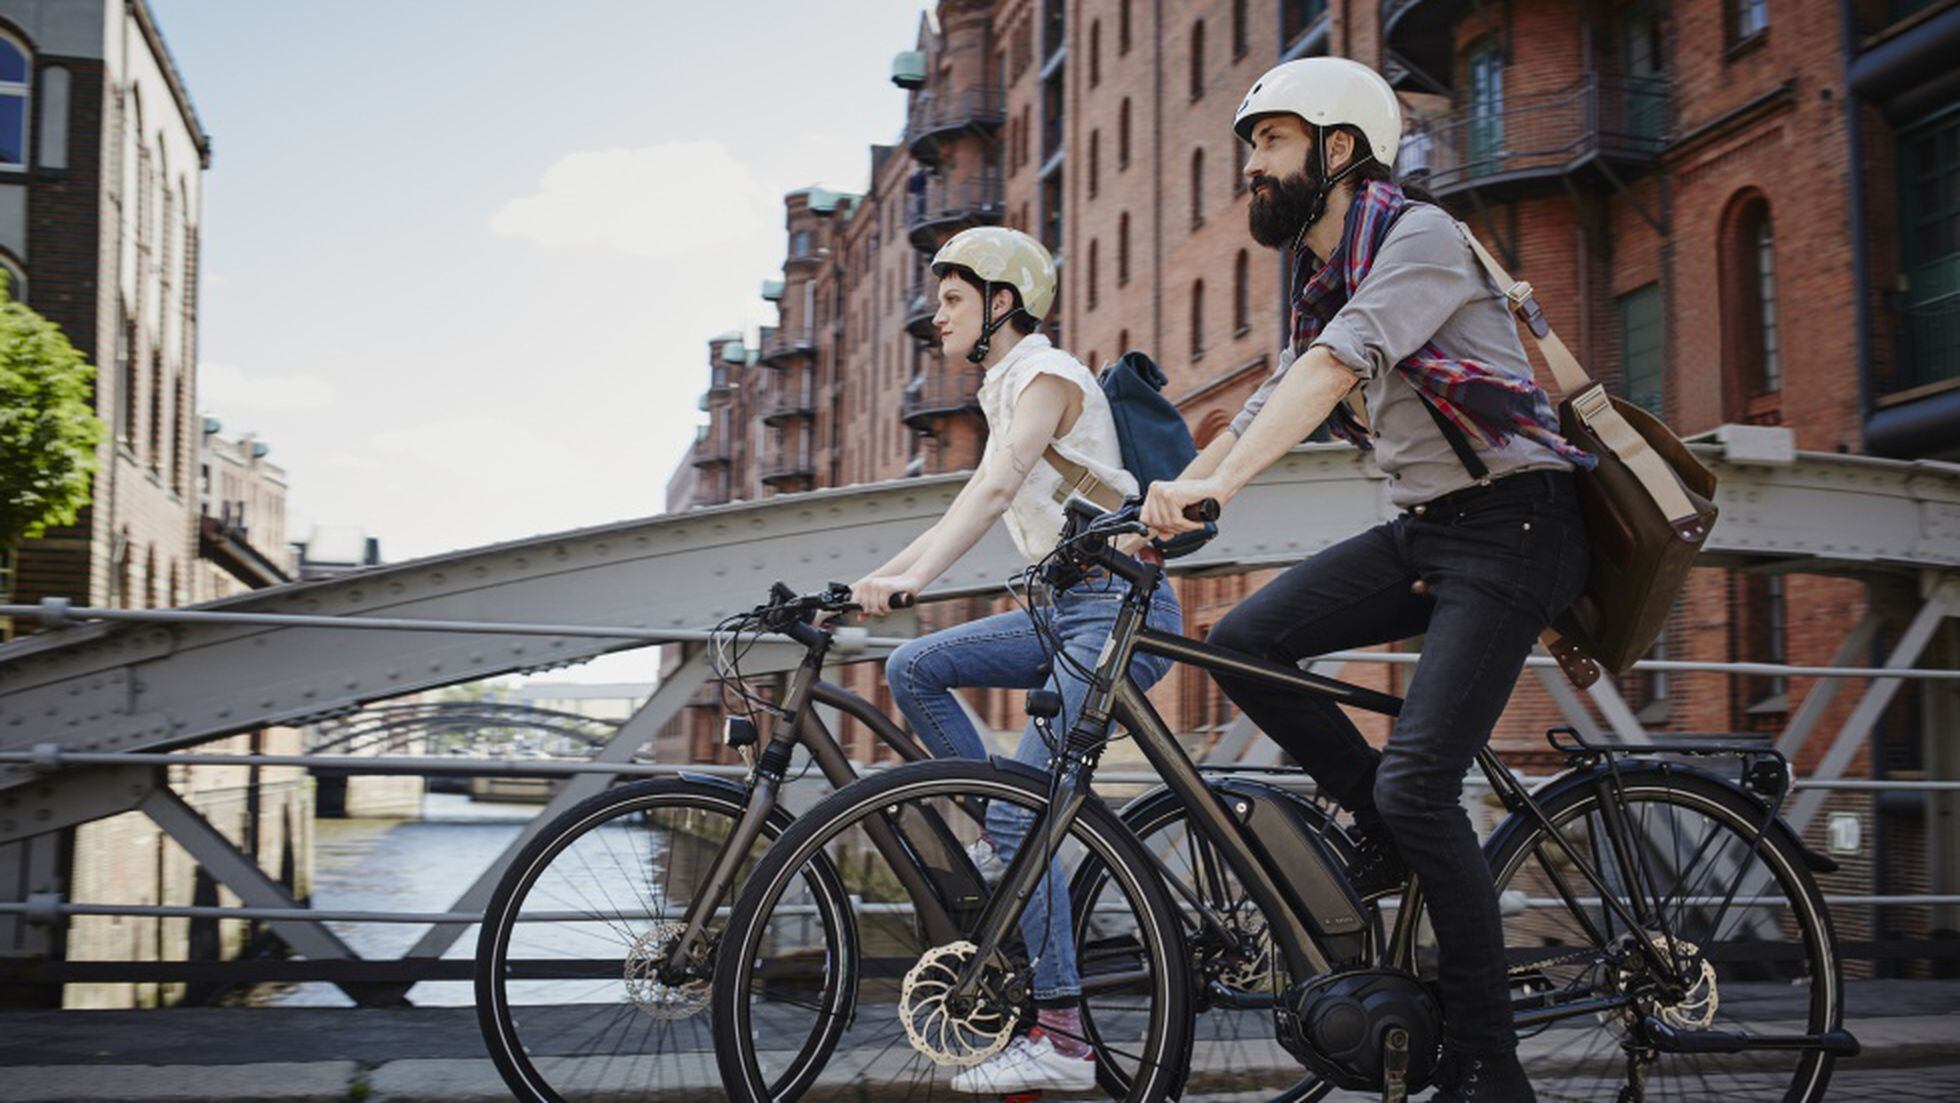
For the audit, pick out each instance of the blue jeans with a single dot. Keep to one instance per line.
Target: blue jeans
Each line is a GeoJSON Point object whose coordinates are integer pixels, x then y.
{"type": "Point", "coordinates": [1003, 652]}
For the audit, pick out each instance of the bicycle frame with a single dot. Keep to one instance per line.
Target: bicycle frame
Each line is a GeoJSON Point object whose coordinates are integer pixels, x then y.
{"type": "Point", "coordinates": [1312, 935]}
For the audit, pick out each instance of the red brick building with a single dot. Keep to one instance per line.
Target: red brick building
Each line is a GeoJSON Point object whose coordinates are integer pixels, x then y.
{"type": "Point", "coordinates": [1734, 211]}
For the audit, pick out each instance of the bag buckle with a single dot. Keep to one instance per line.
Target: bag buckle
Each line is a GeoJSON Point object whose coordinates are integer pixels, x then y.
{"type": "Point", "coordinates": [1525, 305]}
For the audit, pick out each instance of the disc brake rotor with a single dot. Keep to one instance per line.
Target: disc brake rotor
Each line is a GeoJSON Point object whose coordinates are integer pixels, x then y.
{"type": "Point", "coordinates": [648, 992]}
{"type": "Point", "coordinates": [956, 1031]}
{"type": "Point", "coordinates": [1695, 1009]}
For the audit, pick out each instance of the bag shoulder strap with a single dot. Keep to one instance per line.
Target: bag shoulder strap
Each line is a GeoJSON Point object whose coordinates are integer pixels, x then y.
{"type": "Point", "coordinates": [1079, 481]}
{"type": "Point", "coordinates": [1571, 377]}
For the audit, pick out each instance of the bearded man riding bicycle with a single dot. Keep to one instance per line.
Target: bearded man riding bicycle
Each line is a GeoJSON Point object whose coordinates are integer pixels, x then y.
{"type": "Point", "coordinates": [1401, 345]}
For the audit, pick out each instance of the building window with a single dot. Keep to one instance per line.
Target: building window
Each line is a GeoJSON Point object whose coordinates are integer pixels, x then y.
{"type": "Point", "coordinates": [1051, 116]}
{"type": "Point", "coordinates": [1764, 623]}
{"type": "Point", "coordinates": [1051, 211]}
{"type": "Point", "coordinates": [1123, 249]}
{"type": "Point", "coordinates": [1929, 185]}
{"type": "Point", "coordinates": [1486, 122]}
{"type": "Point", "coordinates": [15, 74]}
{"type": "Point", "coordinates": [1123, 135]}
{"type": "Point", "coordinates": [1054, 28]}
{"type": "Point", "coordinates": [1747, 19]}
{"type": "Point", "coordinates": [1641, 355]}
{"type": "Point", "coordinates": [1089, 295]}
{"type": "Point", "coordinates": [1197, 188]}
{"type": "Point", "coordinates": [1197, 318]}
{"type": "Point", "coordinates": [1198, 59]}
{"type": "Point", "coordinates": [54, 117]}
{"type": "Point", "coordinates": [156, 438]}
{"type": "Point", "coordinates": [1241, 295]}
{"type": "Point", "coordinates": [127, 369]}
{"type": "Point", "coordinates": [1095, 162]}
{"type": "Point", "coordinates": [1238, 29]}
{"type": "Point", "coordinates": [1297, 17]}
{"type": "Point", "coordinates": [1123, 28]}
{"type": "Point", "coordinates": [1122, 343]}
{"type": "Point", "coordinates": [1095, 53]}
{"type": "Point", "coordinates": [1752, 346]}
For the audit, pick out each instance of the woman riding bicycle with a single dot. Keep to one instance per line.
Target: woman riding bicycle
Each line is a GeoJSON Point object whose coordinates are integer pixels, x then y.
{"type": "Point", "coordinates": [1041, 404]}
{"type": "Point", "coordinates": [1405, 348]}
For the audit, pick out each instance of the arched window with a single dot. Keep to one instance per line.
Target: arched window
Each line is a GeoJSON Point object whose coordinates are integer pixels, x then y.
{"type": "Point", "coordinates": [16, 277]}
{"type": "Point", "coordinates": [16, 75]}
{"type": "Point", "coordinates": [1123, 249]}
{"type": "Point", "coordinates": [1123, 135]}
{"type": "Point", "coordinates": [1197, 187]}
{"type": "Point", "coordinates": [1095, 161]}
{"type": "Point", "coordinates": [1089, 299]}
{"type": "Point", "coordinates": [1095, 52]}
{"type": "Point", "coordinates": [1238, 29]}
{"type": "Point", "coordinates": [1123, 342]}
{"type": "Point", "coordinates": [1197, 317]}
{"type": "Point", "coordinates": [1198, 59]}
{"type": "Point", "coordinates": [1241, 296]}
{"type": "Point", "coordinates": [1752, 345]}
{"type": "Point", "coordinates": [1123, 29]}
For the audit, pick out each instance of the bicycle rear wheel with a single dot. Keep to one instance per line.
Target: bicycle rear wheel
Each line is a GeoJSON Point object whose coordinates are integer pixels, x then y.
{"type": "Point", "coordinates": [1742, 924]}
{"type": "Point", "coordinates": [570, 999]}
{"type": "Point", "coordinates": [910, 1034]}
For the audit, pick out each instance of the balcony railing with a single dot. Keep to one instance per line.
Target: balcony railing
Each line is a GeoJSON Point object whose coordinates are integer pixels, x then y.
{"type": "Point", "coordinates": [712, 450]}
{"type": "Point", "coordinates": [793, 395]}
{"type": "Point", "coordinates": [938, 115]}
{"type": "Point", "coordinates": [944, 207]}
{"type": "Point", "coordinates": [786, 462]}
{"type": "Point", "coordinates": [782, 344]}
{"type": "Point", "coordinates": [939, 393]}
{"type": "Point", "coordinates": [921, 303]}
{"type": "Point", "coordinates": [1622, 120]}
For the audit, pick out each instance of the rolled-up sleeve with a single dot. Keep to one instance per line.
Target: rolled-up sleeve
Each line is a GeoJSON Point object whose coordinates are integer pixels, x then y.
{"type": "Point", "coordinates": [1421, 276]}
{"type": "Point", "coordinates": [1257, 401]}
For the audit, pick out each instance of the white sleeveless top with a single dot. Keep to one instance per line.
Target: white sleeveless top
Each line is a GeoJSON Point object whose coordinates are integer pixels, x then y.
{"type": "Point", "coordinates": [1034, 518]}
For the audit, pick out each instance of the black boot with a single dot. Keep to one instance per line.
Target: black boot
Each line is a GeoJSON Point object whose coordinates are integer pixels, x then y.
{"type": "Point", "coordinates": [1377, 868]}
{"type": "Point", "coordinates": [1482, 1078]}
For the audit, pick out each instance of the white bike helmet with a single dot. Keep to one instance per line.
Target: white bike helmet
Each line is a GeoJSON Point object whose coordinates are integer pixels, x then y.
{"type": "Point", "coordinates": [1328, 91]}
{"type": "Point", "coordinates": [997, 255]}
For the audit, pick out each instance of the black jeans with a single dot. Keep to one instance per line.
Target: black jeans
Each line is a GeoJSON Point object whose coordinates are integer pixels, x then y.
{"type": "Point", "coordinates": [1499, 562]}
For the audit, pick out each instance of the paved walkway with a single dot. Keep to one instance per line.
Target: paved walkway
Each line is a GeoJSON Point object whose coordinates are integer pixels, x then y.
{"type": "Point", "coordinates": [1910, 1031]}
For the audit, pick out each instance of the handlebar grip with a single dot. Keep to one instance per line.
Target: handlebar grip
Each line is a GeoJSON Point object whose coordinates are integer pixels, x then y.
{"type": "Point", "coordinates": [1204, 510]}
{"type": "Point", "coordinates": [904, 601]}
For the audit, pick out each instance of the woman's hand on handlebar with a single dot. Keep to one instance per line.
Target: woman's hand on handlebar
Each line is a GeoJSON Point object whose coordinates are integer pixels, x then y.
{"type": "Point", "coordinates": [1178, 505]}
{"type": "Point", "coordinates": [880, 594]}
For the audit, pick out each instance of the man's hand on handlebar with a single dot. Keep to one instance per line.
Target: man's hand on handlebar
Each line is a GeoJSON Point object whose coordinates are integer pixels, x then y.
{"type": "Point", "coordinates": [1179, 506]}
{"type": "Point", "coordinates": [880, 594]}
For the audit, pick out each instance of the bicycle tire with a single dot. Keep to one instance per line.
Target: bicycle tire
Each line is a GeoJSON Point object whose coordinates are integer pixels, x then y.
{"type": "Point", "coordinates": [497, 1017]}
{"type": "Point", "coordinates": [1647, 787]}
{"type": "Point", "coordinates": [1097, 828]}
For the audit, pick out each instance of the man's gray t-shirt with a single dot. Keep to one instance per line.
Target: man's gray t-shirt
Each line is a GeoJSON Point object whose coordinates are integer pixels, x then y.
{"type": "Point", "coordinates": [1425, 286]}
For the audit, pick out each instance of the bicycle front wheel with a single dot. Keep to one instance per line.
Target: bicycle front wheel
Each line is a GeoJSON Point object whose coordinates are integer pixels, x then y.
{"type": "Point", "coordinates": [898, 842]}
{"type": "Point", "coordinates": [572, 996]}
{"type": "Point", "coordinates": [1738, 921]}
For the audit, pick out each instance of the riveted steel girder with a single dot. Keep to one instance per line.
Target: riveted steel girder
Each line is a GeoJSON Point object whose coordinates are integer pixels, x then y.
{"type": "Point", "coordinates": [128, 687]}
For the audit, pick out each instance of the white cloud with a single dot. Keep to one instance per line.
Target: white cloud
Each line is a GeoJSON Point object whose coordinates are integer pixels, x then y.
{"type": "Point", "coordinates": [661, 201]}
{"type": "Point", "coordinates": [467, 454]}
{"type": "Point", "coordinates": [223, 389]}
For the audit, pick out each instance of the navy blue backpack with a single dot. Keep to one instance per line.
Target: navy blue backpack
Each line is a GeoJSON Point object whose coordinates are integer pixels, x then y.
{"type": "Point", "coordinates": [1154, 440]}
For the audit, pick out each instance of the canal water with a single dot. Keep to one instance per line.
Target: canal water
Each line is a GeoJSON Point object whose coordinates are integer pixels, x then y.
{"type": "Point", "coordinates": [418, 865]}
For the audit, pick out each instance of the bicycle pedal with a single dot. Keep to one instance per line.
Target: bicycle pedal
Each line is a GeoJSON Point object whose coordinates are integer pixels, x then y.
{"type": "Point", "coordinates": [1395, 1066]}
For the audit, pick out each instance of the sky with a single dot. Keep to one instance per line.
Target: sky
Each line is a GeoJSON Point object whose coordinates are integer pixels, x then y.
{"type": "Point", "coordinates": [461, 259]}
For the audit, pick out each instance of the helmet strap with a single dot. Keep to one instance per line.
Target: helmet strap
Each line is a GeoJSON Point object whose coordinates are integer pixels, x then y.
{"type": "Point", "coordinates": [989, 325]}
{"type": "Point", "coordinates": [1327, 183]}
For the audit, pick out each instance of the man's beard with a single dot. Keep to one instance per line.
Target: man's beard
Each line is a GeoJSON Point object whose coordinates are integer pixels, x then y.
{"type": "Point", "coordinates": [1281, 207]}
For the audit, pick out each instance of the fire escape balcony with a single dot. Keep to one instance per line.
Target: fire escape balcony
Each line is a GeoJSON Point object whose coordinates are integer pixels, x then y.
{"type": "Point", "coordinates": [787, 462]}
{"type": "Point", "coordinates": [938, 116]}
{"type": "Point", "coordinates": [943, 208]}
{"type": "Point", "coordinates": [921, 303]}
{"type": "Point", "coordinates": [1599, 128]}
{"type": "Point", "coordinates": [939, 393]}
{"type": "Point", "coordinates": [792, 396]}
{"type": "Point", "coordinates": [779, 345]}
{"type": "Point", "coordinates": [713, 451]}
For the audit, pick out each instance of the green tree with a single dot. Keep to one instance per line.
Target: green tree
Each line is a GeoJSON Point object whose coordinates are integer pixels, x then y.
{"type": "Point", "coordinates": [48, 431]}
